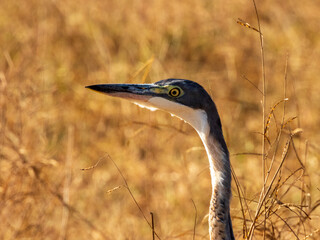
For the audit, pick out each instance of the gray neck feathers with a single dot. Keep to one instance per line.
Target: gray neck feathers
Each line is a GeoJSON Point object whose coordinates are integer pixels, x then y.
{"type": "Point", "coordinates": [220, 226]}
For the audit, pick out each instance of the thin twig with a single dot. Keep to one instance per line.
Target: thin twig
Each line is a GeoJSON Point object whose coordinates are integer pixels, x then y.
{"type": "Point", "coordinates": [263, 104]}
{"type": "Point", "coordinates": [67, 182]}
{"type": "Point", "coordinates": [303, 173]}
{"type": "Point", "coordinates": [262, 202]}
{"type": "Point", "coordinates": [239, 190]}
{"type": "Point", "coordinates": [152, 221]}
{"type": "Point", "coordinates": [256, 87]}
{"type": "Point", "coordinates": [285, 87]}
{"type": "Point", "coordinates": [146, 66]}
{"type": "Point", "coordinates": [287, 225]}
{"type": "Point", "coordinates": [246, 153]}
{"type": "Point", "coordinates": [262, 195]}
{"type": "Point", "coordinates": [72, 209]}
{"type": "Point", "coordinates": [266, 129]}
{"type": "Point", "coordinates": [95, 165]}
{"type": "Point", "coordinates": [195, 219]}
{"type": "Point", "coordinates": [245, 24]}
{"type": "Point", "coordinates": [131, 194]}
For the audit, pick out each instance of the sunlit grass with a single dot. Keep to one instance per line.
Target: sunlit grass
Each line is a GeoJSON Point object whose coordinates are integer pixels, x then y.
{"type": "Point", "coordinates": [51, 126]}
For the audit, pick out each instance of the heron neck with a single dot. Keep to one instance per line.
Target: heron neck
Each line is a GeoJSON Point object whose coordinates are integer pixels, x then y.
{"type": "Point", "coordinates": [220, 226]}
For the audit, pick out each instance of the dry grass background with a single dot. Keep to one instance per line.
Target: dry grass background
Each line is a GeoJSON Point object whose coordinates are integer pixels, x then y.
{"type": "Point", "coordinates": [51, 126]}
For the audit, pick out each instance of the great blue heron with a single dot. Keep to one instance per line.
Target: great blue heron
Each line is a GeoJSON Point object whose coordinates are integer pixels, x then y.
{"type": "Point", "coordinates": [190, 102]}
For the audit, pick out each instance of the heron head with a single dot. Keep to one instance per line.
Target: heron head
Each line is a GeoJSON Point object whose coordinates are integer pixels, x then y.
{"type": "Point", "coordinates": [182, 98]}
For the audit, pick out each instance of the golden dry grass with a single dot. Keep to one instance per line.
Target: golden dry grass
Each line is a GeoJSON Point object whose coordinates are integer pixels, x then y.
{"type": "Point", "coordinates": [51, 126]}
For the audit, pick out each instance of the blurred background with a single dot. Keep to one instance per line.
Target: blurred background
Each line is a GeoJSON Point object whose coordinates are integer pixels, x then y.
{"type": "Point", "coordinates": [51, 126]}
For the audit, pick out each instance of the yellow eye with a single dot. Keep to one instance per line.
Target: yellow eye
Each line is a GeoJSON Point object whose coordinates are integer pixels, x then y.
{"type": "Point", "coordinates": [174, 92]}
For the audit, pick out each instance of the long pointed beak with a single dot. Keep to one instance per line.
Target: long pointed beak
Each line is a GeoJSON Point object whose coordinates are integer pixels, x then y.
{"type": "Point", "coordinates": [134, 92]}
